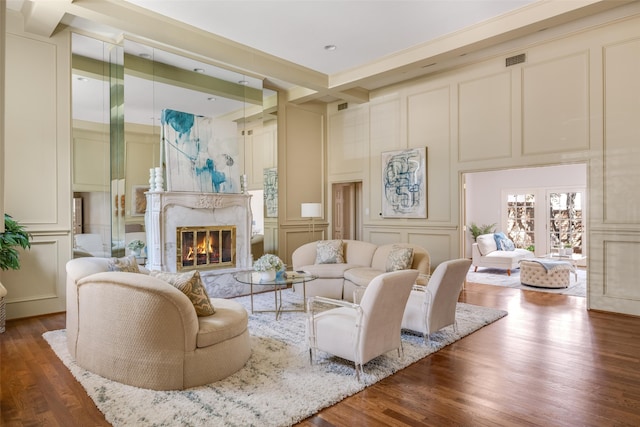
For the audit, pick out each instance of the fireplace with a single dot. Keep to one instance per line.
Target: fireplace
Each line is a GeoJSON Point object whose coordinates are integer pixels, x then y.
{"type": "Point", "coordinates": [175, 221]}
{"type": "Point", "coordinates": [205, 247]}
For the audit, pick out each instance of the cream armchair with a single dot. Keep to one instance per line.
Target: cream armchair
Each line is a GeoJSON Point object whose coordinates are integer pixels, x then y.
{"type": "Point", "coordinates": [361, 332]}
{"type": "Point", "coordinates": [433, 307]}
{"type": "Point", "coordinates": [141, 331]}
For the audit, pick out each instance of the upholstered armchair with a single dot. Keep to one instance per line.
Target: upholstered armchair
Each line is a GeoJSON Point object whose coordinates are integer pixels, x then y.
{"type": "Point", "coordinates": [361, 332]}
{"type": "Point", "coordinates": [141, 331]}
{"type": "Point", "coordinates": [433, 307]}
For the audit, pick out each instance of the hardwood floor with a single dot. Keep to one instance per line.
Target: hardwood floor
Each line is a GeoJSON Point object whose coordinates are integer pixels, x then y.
{"type": "Point", "coordinates": [548, 363]}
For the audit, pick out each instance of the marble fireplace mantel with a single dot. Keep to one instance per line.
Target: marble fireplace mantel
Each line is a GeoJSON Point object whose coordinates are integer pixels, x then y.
{"type": "Point", "coordinates": [168, 210]}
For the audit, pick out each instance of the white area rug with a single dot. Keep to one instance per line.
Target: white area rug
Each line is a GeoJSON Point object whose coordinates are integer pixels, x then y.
{"type": "Point", "coordinates": [277, 387]}
{"type": "Point", "coordinates": [493, 276]}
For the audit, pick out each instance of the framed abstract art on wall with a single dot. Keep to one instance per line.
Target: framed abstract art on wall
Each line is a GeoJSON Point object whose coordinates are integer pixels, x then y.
{"type": "Point", "coordinates": [404, 183]}
{"type": "Point", "coordinates": [201, 154]}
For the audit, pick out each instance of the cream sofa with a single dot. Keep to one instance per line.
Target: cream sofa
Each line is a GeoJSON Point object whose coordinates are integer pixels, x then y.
{"type": "Point", "coordinates": [139, 330]}
{"type": "Point", "coordinates": [485, 253]}
{"type": "Point", "coordinates": [363, 262]}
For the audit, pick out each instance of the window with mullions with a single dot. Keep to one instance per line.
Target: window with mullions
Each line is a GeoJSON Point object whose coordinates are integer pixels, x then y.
{"type": "Point", "coordinates": [521, 219]}
{"type": "Point", "coordinates": [565, 221]}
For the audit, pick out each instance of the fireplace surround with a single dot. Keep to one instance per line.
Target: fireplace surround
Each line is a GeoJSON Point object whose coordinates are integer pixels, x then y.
{"type": "Point", "coordinates": [168, 212]}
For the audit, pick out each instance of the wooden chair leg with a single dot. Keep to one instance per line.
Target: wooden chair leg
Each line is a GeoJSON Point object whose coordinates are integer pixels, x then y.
{"type": "Point", "coordinates": [508, 272]}
{"type": "Point", "coordinates": [475, 270]}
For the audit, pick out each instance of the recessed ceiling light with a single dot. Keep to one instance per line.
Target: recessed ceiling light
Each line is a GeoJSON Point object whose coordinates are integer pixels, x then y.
{"type": "Point", "coordinates": [243, 82]}
{"type": "Point", "coordinates": [330, 47]}
{"type": "Point", "coordinates": [211, 99]}
{"type": "Point", "coordinates": [83, 79]}
{"type": "Point", "coordinates": [198, 70]}
{"type": "Point", "coordinates": [145, 56]}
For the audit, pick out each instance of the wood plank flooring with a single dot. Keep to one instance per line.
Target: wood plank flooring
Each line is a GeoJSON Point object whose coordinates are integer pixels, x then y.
{"type": "Point", "coordinates": [550, 362]}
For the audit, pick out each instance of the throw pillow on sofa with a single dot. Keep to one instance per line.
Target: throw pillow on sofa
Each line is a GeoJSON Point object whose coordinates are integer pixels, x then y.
{"type": "Point", "coordinates": [507, 245]}
{"type": "Point", "coordinates": [329, 252]}
{"type": "Point", "coordinates": [399, 259]}
{"type": "Point", "coordinates": [191, 285]}
{"type": "Point", "coordinates": [126, 264]}
{"type": "Point", "coordinates": [503, 242]}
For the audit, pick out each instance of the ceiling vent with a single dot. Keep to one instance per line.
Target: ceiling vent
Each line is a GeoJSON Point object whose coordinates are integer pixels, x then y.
{"type": "Point", "coordinates": [343, 106]}
{"type": "Point", "coordinates": [513, 60]}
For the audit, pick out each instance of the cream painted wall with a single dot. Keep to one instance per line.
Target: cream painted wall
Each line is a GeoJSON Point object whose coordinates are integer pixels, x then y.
{"type": "Point", "coordinates": [574, 100]}
{"type": "Point", "coordinates": [37, 179]}
{"type": "Point", "coordinates": [301, 173]}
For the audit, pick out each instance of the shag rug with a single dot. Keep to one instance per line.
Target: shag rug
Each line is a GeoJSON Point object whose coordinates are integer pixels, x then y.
{"type": "Point", "coordinates": [277, 386]}
{"type": "Point", "coordinates": [494, 276]}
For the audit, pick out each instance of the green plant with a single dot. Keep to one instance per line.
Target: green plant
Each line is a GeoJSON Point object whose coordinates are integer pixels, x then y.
{"type": "Point", "coordinates": [14, 236]}
{"type": "Point", "coordinates": [531, 248]}
{"type": "Point", "coordinates": [477, 230]}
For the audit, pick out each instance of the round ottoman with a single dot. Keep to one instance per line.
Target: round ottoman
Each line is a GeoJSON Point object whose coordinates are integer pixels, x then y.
{"type": "Point", "coordinates": [534, 274]}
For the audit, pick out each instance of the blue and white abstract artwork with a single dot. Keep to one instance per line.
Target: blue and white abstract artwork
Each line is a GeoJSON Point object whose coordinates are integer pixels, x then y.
{"type": "Point", "coordinates": [404, 183]}
{"type": "Point", "coordinates": [201, 154]}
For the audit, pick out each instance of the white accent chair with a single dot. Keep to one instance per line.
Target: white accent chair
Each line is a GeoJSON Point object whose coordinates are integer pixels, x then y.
{"type": "Point", "coordinates": [361, 332]}
{"type": "Point", "coordinates": [433, 307]}
{"type": "Point", "coordinates": [485, 253]}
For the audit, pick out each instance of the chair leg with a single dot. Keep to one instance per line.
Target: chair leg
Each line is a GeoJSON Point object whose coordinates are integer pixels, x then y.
{"type": "Point", "coordinates": [508, 272]}
{"type": "Point", "coordinates": [475, 270]}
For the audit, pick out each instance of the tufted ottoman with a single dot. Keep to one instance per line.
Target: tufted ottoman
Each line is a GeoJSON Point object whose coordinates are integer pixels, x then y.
{"type": "Point", "coordinates": [533, 273]}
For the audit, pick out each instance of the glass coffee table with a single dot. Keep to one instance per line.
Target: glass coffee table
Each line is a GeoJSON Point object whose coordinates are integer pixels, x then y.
{"type": "Point", "coordinates": [287, 279]}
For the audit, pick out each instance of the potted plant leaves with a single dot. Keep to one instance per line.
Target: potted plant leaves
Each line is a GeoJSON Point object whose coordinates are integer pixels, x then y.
{"type": "Point", "coordinates": [14, 236]}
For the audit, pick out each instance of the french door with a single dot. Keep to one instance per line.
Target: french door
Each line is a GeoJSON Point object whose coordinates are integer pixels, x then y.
{"type": "Point", "coordinates": [546, 220]}
{"type": "Point", "coordinates": [565, 220]}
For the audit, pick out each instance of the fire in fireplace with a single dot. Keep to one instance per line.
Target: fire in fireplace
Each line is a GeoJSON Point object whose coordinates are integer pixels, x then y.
{"type": "Point", "coordinates": [206, 247]}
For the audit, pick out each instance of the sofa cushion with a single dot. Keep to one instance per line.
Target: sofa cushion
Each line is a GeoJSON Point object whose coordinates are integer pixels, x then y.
{"type": "Point", "coordinates": [361, 276]}
{"type": "Point", "coordinates": [328, 271]}
{"type": "Point", "coordinates": [329, 252]}
{"type": "Point", "coordinates": [126, 264]}
{"type": "Point", "coordinates": [191, 285]}
{"type": "Point", "coordinates": [486, 244]}
{"type": "Point", "coordinates": [230, 320]}
{"type": "Point", "coordinates": [399, 259]}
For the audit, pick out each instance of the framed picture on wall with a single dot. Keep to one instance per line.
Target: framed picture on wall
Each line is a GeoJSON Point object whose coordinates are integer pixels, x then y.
{"type": "Point", "coordinates": [404, 183]}
{"type": "Point", "coordinates": [138, 200]}
{"type": "Point", "coordinates": [270, 187]}
{"type": "Point", "coordinates": [201, 154]}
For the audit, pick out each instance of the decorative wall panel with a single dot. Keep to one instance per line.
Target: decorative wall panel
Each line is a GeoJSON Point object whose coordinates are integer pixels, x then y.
{"type": "Point", "coordinates": [621, 270]}
{"type": "Point", "coordinates": [31, 77]}
{"type": "Point", "coordinates": [555, 105]}
{"type": "Point", "coordinates": [347, 149]}
{"type": "Point", "coordinates": [485, 119]}
{"type": "Point", "coordinates": [622, 132]}
{"type": "Point", "coordinates": [384, 128]}
{"type": "Point", "coordinates": [429, 124]}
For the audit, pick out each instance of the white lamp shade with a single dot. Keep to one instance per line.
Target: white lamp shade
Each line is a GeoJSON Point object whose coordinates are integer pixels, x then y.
{"type": "Point", "coordinates": [311, 210]}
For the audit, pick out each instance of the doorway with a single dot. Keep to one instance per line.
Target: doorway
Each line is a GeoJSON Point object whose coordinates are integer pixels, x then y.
{"type": "Point", "coordinates": [346, 210]}
{"type": "Point", "coordinates": [529, 202]}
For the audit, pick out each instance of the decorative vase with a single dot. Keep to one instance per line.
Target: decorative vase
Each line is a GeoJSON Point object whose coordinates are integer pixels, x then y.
{"type": "Point", "coordinates": [136, 252]}
{"type": "Point", "coordinates": [268, 275]}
